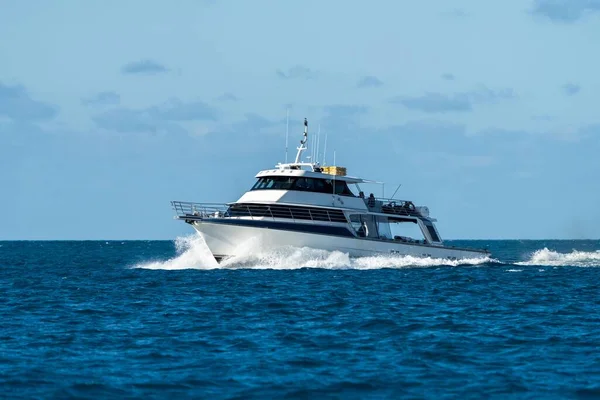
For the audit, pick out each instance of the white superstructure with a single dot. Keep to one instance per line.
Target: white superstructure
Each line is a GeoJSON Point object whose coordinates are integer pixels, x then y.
{"type": "Point", "coordinates": [308, 205]}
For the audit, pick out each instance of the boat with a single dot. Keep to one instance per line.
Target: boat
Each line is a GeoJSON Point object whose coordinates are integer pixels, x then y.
{"type": "Point", "coordinates": [306, 204]}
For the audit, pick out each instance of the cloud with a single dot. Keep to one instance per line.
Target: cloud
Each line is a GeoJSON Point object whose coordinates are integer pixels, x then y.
{"type": "Point", "coordinates": [176, 110]}
{"type": "Point", "coordinates": [571, 89]}
{"type": "Point", "coordinates": [448, 77]}
{"type": "Point", "coordinates": [455, 12]}
{"type": "Point", "coordinates": [17, 104]}
{"type": "Point", "coordinates": [342, 110]}
{"type": "Point", "coordinates": [102, 99]}
{"type": "Point", "coordinates": [456, 161]}
{"type": "Point", "coordinates": [165, 117]}
{"type": "Point", "coordinates": [126, 120]}
{"type": "Point", "coordinates": [543, 117]}
{"type": "Point", "coordinates": [297, 72]}
{"type": "Point", "coordinates": [565, 11]}
{"type": "Point", "coordinates": [369, 81]}
{"type": "Point", "coordinates": [343, 117]}
{"type": "Point", "coordinates": [436, 102]}
{"type": "Point", "coordinates": [591, 131]}
{"type": "Point", "coordinates": [458, 102]}
{"type": "Point", "coordinates": [558, 132]}
{"type": "Point", "coordinates": [143, 67]}
{"type": "Point", "coordinates": [228, 97]}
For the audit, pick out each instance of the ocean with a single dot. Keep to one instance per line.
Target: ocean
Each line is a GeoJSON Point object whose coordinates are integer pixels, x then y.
{"type": "Point", "coordinates": [160, 319]}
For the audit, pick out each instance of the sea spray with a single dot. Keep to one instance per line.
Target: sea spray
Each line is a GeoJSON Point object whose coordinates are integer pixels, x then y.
{"type": "Point", "coordinates": [192, 253]}
{"type": "Point", "coordinates": [546, 257]}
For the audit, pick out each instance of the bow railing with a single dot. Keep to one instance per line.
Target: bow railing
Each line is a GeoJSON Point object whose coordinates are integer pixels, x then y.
{"type": "Point", "coordinates": [197, 211]}
{"type": "Point", "coordinates": [200, 210]}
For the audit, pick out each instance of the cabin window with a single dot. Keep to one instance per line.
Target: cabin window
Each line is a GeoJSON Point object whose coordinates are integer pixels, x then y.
{"type": "Point", "coordinates": [303, 184]}
{"type": "Point", "coordinates": [383, 227]}
{"type": "Point", "coordinates": [405, 229]}
{"type": "Point", "coordinates": [365, 225]}
{"type": "Point", "coordinates": [431, 230]}
{"type": "Point", "coordinates": [355, 221]}
{"type": "Point", "coordinates": [341, 188]}
{"type": "Point", "coordinates": [274, 182]}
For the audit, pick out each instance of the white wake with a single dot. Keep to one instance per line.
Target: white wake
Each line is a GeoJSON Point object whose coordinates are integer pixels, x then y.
{"type": "Point", "coordinates": [192, 253]}
{"type": "Point", "coordinates": [546, 257]}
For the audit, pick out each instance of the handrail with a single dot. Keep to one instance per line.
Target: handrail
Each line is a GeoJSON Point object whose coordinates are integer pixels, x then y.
{"type": "Point", "coordinates": [202, 210]}
{"type": "Point", "coordinates": [393, 206]}
{"type": "Point", "coordinates": [391, 200]}
{"type": "Point", "coordinates": [193, 211]}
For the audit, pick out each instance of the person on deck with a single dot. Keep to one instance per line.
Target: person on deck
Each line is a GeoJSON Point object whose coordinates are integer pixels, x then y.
{"type": "Point", "coordinates": [371, 202]}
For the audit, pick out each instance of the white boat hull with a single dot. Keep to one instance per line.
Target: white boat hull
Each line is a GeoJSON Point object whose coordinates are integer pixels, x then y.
{"type": "Point", "coordinates": [225, 240]}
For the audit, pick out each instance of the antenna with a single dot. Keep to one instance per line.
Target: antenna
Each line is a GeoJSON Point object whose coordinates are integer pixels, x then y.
{"type": "Point", "coordinates": [318, 138]}
{"type": "Point", "coordinates": [287, 132]}
{"type": "Point", "coordinates": [302, 142]}
{"type": "Point", "coordinates": [396, 190]}
{"type": "Point", "coordinates": [333, 194]}
{"type": "Point", "coordinates": [325, 149]}
{"type": "Point", "coordinates": [312, 150]}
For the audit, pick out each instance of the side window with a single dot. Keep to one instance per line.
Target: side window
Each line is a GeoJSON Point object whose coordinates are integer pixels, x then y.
{"type": "Point", "coordinates": [355, 221]}
{"type": "Point", "coordinates": [327, 186]}
{"type": "Point", "coordinates": [342, 188]}
{"type": "Point", "coordinates": [283, 183]}
{"type": "Point", "coordinates": [261, 184]}
{"type": "Point", "coordinates": [268, 182]}
{"type": "Point", "coordinates": [257, 184]}
{"type": "Point", "coordinates": [318, 185]}
{"type": "Point", "coordinates": [432, 232]}
{"type": "Point", "coordinates": [276, 182]}
{"type": "Point", "coordinates": [301, 184]}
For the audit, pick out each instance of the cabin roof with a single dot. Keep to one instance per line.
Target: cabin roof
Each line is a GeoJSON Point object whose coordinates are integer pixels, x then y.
{"type": "Point", "coordinates": [308, 174]}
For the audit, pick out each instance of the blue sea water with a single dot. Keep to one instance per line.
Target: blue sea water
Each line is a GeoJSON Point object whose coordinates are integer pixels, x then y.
{"type": "Point", "coordinates": [160, 319]}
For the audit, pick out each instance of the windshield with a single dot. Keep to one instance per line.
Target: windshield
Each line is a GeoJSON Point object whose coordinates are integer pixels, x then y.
{"type": "Point", "coordinates": [303, 184]}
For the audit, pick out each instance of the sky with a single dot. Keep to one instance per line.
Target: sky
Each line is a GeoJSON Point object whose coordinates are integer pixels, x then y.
{"type": "Point", "coordinates": [486, 112]}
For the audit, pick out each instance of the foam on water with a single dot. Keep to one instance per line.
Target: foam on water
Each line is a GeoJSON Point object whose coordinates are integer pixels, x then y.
{"type": "Point", "coordinates": [79, 323]}
{"type": "Point", "coordinates": [194, 254]}
{"type": "Point", "coordinates": [546, 257]}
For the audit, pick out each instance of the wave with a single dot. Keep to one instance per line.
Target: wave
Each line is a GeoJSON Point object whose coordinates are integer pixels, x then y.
{"type": "Point", "coordinates": [550, 258]}
{"type": "Point", "coordinates": [192, 253]}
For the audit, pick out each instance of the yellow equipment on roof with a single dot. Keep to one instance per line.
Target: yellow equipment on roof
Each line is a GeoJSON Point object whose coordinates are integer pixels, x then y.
{"type": "Point", "coordinates": [333, 170]}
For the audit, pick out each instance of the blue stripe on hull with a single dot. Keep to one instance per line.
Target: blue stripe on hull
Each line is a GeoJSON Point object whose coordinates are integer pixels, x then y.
{"type": "Point", "coordinates": [285, 226]}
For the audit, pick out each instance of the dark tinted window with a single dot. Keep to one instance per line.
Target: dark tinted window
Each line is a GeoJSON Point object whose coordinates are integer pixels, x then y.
{"type": "Point", "coordinates": [274, 182]}
{"type": "Point", "coordinates": [342, 188]}
{"type": "Point", "coordinates": [432, 232]}
{"type": "Point", "coordinates": [303, 184]}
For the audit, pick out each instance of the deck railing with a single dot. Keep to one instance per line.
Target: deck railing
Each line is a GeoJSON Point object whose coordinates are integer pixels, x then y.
{"type": "Point", "coordinates": [392, 206]}
{"type": "Point", "coordinates": [185, 209]}
{"type": "Point", "coordinates": [202, 210]}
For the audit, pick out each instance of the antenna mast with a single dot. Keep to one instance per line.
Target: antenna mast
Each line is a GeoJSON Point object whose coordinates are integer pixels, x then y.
{"type": "Point", "coordinates": [302, 142]}
{"type": "Point", "coordinates": [333, 194]}
{"type": "Point", "coordinates": [396, 191]}
{"type": "Point", "coordinates": [312, 151]}
{"type": "Point", "coordinates": [318, 140]}
{"type": "Point", "coordinates": [325, 148]}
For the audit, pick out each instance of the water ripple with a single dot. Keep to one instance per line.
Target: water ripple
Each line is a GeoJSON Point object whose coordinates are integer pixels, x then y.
{"type": "Point", "coordinates": [78, 321]}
